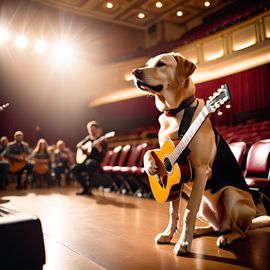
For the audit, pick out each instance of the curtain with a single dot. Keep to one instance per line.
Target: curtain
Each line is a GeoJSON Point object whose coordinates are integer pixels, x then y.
{"type": "Point", "coordinates": [250, 91]}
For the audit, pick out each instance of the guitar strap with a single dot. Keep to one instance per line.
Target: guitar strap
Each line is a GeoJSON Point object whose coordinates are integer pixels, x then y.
{"type": "Point", "coordinates": [185, 123]}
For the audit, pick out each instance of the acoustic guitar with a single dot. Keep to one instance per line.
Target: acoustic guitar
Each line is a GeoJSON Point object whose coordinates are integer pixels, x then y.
{"type": "Point", "coordinates": [167, 182]}
{"type": "Point", "coordinates": [85, 150]}
{"type": "Point", "coordinates": [41, 168]}
{"type": "Point", "coordinates": [17, 165]}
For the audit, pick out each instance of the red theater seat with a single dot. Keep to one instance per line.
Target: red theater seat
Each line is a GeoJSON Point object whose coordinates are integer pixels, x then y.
{"type": "Point", "coordinates": [239, 150]}
{"type": "Point", "coordinates": [258, 163]}
{"type": "Point", "coordinates": [113, 160]}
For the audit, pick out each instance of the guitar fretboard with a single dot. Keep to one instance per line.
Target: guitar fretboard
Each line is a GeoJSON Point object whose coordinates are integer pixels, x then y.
{"type": "Point", "coordinates": [188, 135]}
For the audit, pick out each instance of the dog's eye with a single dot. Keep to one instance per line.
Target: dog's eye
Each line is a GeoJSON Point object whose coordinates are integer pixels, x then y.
{"type": "Point", "coordinates": [160, 64]}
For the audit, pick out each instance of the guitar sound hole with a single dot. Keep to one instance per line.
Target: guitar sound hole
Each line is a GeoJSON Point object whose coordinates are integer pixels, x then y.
{"type": "Point", "coordinates": [168, 165]}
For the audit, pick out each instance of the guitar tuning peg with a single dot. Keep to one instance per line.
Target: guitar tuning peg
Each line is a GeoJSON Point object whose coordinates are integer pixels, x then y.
{"type": "Point", "coordinates": [228, 106]}
{"type": "Point", "coordinates": [220, 113]}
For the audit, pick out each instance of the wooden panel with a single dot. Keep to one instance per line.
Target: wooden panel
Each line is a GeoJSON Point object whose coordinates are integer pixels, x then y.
{"type": "Point", "coordinates": [213, 49]}
{"type": "Point", "coordinates": [244, 37]}
{"type": "Point", "coordinates": [189, 53]}
{"type": "Point", "coordinates": [267, 26]}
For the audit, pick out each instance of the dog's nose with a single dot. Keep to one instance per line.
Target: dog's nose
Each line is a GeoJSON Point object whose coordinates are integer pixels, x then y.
{"type": "Point", "coordinates": [137, 72]}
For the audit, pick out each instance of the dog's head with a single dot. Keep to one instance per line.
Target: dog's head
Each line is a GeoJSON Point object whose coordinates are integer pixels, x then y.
{"type": "Point", "coordinates": [167, 76]}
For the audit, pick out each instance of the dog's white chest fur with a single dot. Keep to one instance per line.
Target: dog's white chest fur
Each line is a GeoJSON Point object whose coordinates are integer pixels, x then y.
{"type": "Point", "coordinates": [169, 127]}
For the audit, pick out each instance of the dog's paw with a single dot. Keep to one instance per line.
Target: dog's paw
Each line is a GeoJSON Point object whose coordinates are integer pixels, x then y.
{"type": "Point", "coordinates": [223, 241]}
{"type": "Point", "coordinates": [181, 248]}
{"type": "Point", "coordinates": [149, 162]}
{"type": "Point", "coordinates": [162, 238]}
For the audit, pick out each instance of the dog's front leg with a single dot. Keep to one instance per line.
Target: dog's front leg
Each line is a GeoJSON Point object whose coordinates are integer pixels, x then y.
{"type": "Point", "coordinates": [166, 236]}
{"type": "Point", "coordinates": [190, 214]}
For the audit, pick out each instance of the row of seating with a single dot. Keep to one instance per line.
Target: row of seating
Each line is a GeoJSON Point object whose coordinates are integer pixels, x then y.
{"type": "Point", "coordinates": [257, 167]}
{"type": "Point", "coordinates": [248, 132]}
{"type": "Point", "coordinates": [122, 168]}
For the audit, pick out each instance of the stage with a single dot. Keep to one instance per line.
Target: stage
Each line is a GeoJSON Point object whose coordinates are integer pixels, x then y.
{"type": "Point", "coordinates": [111, 231]}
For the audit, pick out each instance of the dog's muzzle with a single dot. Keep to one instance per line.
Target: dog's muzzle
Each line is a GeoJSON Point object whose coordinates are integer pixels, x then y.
{"type": "Point", "coordinates": [138, 79]}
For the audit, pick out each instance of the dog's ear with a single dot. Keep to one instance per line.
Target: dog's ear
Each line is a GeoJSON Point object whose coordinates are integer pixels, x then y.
{"type": "Point", "coordinates": [184, 66]}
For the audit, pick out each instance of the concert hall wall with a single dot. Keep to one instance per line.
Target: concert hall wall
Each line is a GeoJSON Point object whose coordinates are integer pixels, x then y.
{"type": "Point", "coordinates": [249, 90]}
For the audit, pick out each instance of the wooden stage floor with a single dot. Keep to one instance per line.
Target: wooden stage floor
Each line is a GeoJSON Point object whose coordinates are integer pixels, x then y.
{"type": "Point", "coordinates": [110, 231]}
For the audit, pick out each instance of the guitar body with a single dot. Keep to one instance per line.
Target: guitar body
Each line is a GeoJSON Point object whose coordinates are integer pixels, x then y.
{"type": "Point", "coordinates": [167, 183]}
{"type": "Point", "coordinates": [85, 151]}
{"type": "Point", "coordinates": [41, 169]}
{"type": "Point", "coordinates": [81, 155]}
{"type": "Point", "coordinates": [174, 171]}
{"type": "Point", "coordinates": [16, 165]}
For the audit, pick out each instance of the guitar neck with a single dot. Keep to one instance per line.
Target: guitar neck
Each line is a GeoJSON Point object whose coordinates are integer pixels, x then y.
{"type": "Point", "coordinates": [188, 135]}
{"type": "Point", "coordinates": [100, 139]}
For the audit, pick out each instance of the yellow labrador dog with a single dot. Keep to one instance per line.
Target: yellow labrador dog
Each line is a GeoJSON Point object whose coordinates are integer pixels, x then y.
{"type": "Point", "coordinates": [217, 196]}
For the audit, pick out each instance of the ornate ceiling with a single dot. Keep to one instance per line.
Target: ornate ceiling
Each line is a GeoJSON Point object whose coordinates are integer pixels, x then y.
{"type": "Point", "coordinates": [126, 12]}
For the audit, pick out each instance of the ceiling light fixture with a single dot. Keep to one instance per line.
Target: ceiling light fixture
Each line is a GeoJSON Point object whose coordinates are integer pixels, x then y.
{"type": "Point", "coordinates": [207, 3]}
{"type": "Point", "coordinates": [179, 13]}
{"type": "Point", "coordinates": [159, 4]}
{"type": "Point", "coordinates": [109, 5]}
{"type": "Point", "coordinates": [141, 15]}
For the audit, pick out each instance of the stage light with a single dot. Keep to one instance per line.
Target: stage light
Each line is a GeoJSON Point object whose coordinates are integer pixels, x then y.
{"type": "Point", "coordinates": [40, 46]}
{"type": "Point", "coordinates": [3, 35]}
{"type": "Point", "coordinates": [179, 13]}
{"type": "Point", "coordinates": [109, 5]}
{"type": "Point", "coordinates": [21, 41]}
{"type": "Point", "coordinates": [63, 53]}
{"type": "Point", "coordinates": [141, 15]}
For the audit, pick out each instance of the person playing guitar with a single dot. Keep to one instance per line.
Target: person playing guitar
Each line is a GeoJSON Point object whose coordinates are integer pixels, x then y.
{"type": "Point", "coordinates": [42, 162]}
{"type": "Point", "coordinates": [17, 152]}
{"type": "Point", "coordinates": [94, 152]}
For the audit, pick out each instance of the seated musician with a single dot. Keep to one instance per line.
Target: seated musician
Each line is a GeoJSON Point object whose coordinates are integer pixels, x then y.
{"type": "Point", "coordinates": [42, 162]}
{"type": "Point", "coordinates": [3, 162]}
{"type": "Point", "coordinates": [17, 152]}
{"type": "Point", "coordinates": [93, 151]}
{"type": "Point", "coordinates": [62, 159]}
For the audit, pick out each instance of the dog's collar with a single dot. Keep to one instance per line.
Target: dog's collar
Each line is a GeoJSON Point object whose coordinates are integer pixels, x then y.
{"type": "Point", "coordinates": [182, 106]}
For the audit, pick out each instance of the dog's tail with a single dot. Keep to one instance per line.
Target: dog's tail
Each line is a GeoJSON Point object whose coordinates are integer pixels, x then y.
{"type": "Point", "coordinates": [259, 222]}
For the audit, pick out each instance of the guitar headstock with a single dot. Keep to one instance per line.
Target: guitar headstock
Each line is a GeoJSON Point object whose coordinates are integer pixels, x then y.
{"type": "Point", "coordinates": [220, 97]}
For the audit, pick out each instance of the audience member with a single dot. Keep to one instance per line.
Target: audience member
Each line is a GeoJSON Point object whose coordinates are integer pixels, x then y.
{"type": "Point", "coordinates": [62, 159]}
{"type": "Point", "coordinates": [17, 152]}
{"type": "Point", "coordinates": [3, 163]}
{"type": "Point", "coordinates": [42, 162]}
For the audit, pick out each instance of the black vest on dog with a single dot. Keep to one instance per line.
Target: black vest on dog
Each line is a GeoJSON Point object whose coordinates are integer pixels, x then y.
{"type": "Point", "coordinates": [225, 169]}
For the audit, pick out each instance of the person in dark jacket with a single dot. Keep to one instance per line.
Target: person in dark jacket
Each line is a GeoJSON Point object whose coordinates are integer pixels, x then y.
{"type": "Point", "coordinates": [17, 152]}
{"type": "Point", "coordinates": [90, 152]}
